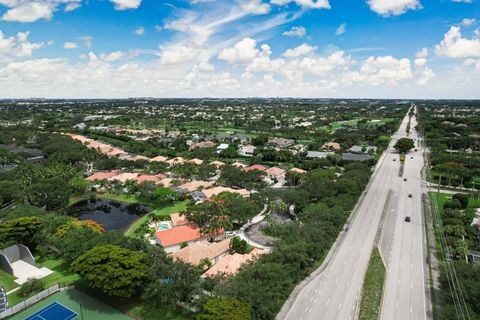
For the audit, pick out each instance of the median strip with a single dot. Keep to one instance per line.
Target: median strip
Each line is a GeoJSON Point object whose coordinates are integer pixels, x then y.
{"type": "Point", "coordinates": [372, 291]}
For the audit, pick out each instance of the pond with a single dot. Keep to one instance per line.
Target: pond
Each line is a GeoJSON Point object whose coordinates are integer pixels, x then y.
{"type": "Point", "coordinates": [113, 215]}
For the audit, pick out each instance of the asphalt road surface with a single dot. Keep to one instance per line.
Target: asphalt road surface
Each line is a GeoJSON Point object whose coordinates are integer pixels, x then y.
{"type": "Point", "coordinates": [405, 290]}
{"type": "Point", "coordinates": [334, 293]}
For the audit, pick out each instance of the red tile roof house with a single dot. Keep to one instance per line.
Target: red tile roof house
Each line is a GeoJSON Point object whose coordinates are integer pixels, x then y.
{"type": "Point", "coordinates": [258, 167]}
{"type": "Point", "coordinates": [102, 175]}
{"type": "Point", "coordinates": [195, 253]}
{"type": "Point", "coordinates": [172, 239]}
{"type": "Point", "coordinates": [231, 263]}
{"type": "Point", "coordinates": [275, 172]}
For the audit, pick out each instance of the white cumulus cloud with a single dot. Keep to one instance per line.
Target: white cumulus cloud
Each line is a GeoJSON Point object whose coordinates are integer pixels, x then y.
{"type": "Point", "coordinates": [302, 50]}
{"type": "Point", "coordinates": [307, 4]}
{"type": "Point", "coordinates": [454, 45]}
{"type": "Point", "coordinates": [126, 4]}
{"type": "Point", "coordinates": [243, 51]}
{"type": "Point", "coordinates": [299, 32]}
{"type": "Point", "coordinates": [393, 7]}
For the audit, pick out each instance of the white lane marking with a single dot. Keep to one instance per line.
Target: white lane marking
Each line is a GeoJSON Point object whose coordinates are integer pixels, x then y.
{"type": "Point", "coordinates": [328, 301]}
{"type": "Point", "coordinates": [306, 309]}
{"type": "Point", "coordinates": [411, 309]}
{"type": "Point", "coordinates": [339, 306]}
{"type": "Point", "coordinates": [347, 283]}
{"type": "Point", "coordinates": [396, 305]}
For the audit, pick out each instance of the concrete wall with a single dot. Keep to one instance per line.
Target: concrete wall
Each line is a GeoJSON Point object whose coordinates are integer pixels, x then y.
{"type": "Point", "coordinates": [14, 253]}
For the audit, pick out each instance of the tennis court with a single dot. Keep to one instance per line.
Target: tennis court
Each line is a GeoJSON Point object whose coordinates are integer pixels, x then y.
{"type": "Point", "coordinates": [54, 311]}
{"type": "Point", "coordinates": [70, 305]}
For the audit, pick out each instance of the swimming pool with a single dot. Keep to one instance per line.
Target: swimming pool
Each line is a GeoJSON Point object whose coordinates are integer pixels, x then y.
{"type": "Point", "coordinates": [164, 225]}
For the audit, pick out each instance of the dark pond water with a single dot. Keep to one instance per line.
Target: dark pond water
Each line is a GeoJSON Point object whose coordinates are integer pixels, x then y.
{"type": "Point", "coordinates": [113, 215]}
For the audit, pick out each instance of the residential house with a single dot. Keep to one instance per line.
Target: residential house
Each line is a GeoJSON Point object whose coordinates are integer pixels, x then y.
{"type": "Point", "coordinates": [259, 167]}
{"type": "Point", "coordinates": [209, 193]}
{"type": "Point", "coordinates": [178, 220]}
{"type": "Point", "coordinates": [331, 146]}
{"type": "Point", "coordinates": [297, 170]}
{"type": "Point", "coordinates": [196, 161]}
{"type": "Point", "coordinates": [246, 151]}
{"type": "Point", "coordinates": [124, 177]}
{"type": "Point", "coordinates": [217, 164]}
{"type": "Point", "coordinates": [281, 142]}
{"type": "Point", "coordinates": [159, 159]}
{"type": "Point", "coordinates": [231, 264]}
{"type": "Point", "coordinates": [275, 172]}
{"type": "Point", "coordinates": [196, 185]}
{"type": "Point", "coordinates": [177, 160]}
{"type": "Point", "coordinates": [202, 144]}
{"type": "Point", "coordinates": [317, 154]}
{"type": "Point", "coordinates": [102, 175]}
{"type": "Point", "coordinates": [200, 251]}
{"type": "Point", "coordinates": [172, 239]}
{"type": "Point", "coordinates": [222, 147]}
{"type": "Point", "coordinates": [356, 157]}
{"type": "Point", "coordinates": [363, 149]}
{"type": "Point", "coordinates": [239, 165]}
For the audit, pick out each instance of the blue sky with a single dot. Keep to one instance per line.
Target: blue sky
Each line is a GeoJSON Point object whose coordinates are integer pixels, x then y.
{"type": "Point", "coordinates": [198, 48]}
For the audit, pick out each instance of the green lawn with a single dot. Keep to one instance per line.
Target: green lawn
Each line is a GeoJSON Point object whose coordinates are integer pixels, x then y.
{"type": "Point", "coordinates": [61, 275]}
{"type": "Point", "coordinates": [7, 281]}
{"type": "Point", "coordinates": [372, 288]}
{"type": "Point", "coordinates": [163, 212]}
{"type": "Point", "coordinates": [91, 308]}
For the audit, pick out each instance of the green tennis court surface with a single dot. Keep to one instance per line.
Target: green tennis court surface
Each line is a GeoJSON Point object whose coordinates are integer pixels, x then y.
{"type": "Point", "coordinates": [54, 311]}
{"type": "Point", "coordinates": [91, 309]}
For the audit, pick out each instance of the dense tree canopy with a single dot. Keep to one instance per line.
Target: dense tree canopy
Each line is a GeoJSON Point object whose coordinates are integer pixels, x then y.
{"type": "Point", "coordinates": [114, 270]}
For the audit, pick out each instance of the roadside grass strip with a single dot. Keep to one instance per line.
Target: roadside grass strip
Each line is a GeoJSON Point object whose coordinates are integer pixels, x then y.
{"type": "Point", "coordinates": [372, 292]}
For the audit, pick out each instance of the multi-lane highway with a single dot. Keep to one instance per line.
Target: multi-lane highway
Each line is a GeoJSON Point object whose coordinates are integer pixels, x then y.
{"type": "Point", "coordinates": [405, 290]}
{"type": "Point", "coordinates": [334, 293]}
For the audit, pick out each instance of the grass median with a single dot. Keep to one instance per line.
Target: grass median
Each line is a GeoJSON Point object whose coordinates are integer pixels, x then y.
{"type": "Point", "coordinates": [372, 288]}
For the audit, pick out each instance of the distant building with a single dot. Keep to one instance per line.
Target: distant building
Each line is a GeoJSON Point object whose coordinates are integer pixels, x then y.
{"type": "Point", "coordinates": [246, 151]}
{"type": "Point", "coordinates": [356, 157]}
{"type": "Point", "coordinates": [331, 146]}
{"type": "Point", "coordinates": [362, 149]}
{"type": "Point", "coordinates": [281, 142]}
{"type": "Point", "coordinates": [317, 154]}
{"type": "Point", "coordinates": [259, 167]}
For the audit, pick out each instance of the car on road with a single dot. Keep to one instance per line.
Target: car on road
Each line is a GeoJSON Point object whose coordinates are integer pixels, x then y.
{"type": "Point", "coordinates": [416, 149]}
{"type": "Point", "coordinates": [404, 179]}
{"type": "Point", "coordinates": [411, 157]}
{"type": "Point", "coordinates": [407, 219]}
{"type": "Point", "coordinates": [410, 195]}
{"type": "Point", "coordinates": [394, 159]}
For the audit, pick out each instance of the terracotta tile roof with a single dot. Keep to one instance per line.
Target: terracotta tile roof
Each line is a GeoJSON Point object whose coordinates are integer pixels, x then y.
{"type": "Point", "coordinates": [178, 219]}
{"type": "Point", "coordinates": [196, 161]}
{"type": "Point", "coordinates": [136, 158]}
{"type": "Point", "coordinates": [166, 182]}
{"type": "Point", "coordinates": [159, 159]}
{"type": "Point", "coordinates": [217, 163]}
{"type": "Point", "coordinates": [196, 185]}
{"type": "Point", "coordinates": [124, 177]}
{"type": "Point", "coordinates": [259, 167]}
{"type": "Point", "coordinates": [331, 145]}
{"type": "Point", "coordinates": [230, 264]}
{"type": "Point", "coordinates": [196, 252]}
{"type": "Point", "coordinates": [275, 171]}
{"type": "Point", "coordinates": [239, 165]}
{"type": "Point", "coordinates": [153, 178]}
{"type": "Point", "coordinates": [216, 190]}
{"type": "Point", "coordinates": [298, 170]}
{"type": "Point", "coordinates": [176, 160]}
{"type": "Point", "coordinates": [102, 175]}
{"type": "Point", "coordinates": [180, 235]}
